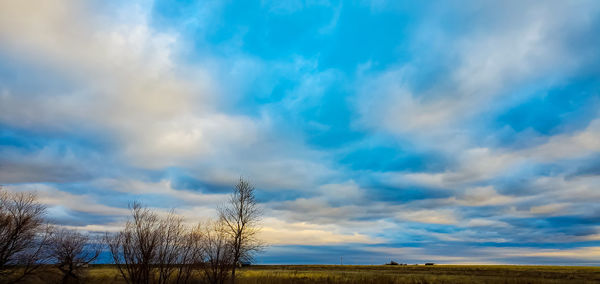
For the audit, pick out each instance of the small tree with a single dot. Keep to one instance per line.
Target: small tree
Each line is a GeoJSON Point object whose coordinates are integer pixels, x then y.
{"type": "Point", "coordinates": [241, 218]}
{"type": "Point", "coordinates": [170, 246]}
{"type": "Point", "coordinates": [217, 252]}
{"type": "Point", "coordinates": [72, 251]}
{"type": "Point", "coordinates": [134, 250]}
{"type": "Point", "coordinates": [24, 235]}
{"type": "Point", "coordinates": [150, 249]}
{"type": "Point", "coordinates": [190, 257]}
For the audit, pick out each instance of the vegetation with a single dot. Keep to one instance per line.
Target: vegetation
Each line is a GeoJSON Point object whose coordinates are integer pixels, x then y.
{"type": "Point", "coordinates": [151, 248]}
{"type": "Point", "coordinates": [354, 274]}
{"type": "Point", "coordinates": [72, 251]}
{"type": "Point", "coordinates": [420, 274]}
{"type": "Point", "coordinates": [24, 235]}
{"type": "Point", "coordinates": [240, 218]}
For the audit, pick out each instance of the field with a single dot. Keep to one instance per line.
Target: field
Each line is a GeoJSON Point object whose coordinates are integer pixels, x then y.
{"type": "Point", "coordinates": [385, 274]}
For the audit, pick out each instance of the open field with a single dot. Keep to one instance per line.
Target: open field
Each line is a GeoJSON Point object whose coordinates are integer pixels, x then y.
{"type": "Point", "coordinates": [385, 274]}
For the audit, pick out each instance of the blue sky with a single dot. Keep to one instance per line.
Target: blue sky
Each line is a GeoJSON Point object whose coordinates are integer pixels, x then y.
{"type": "Point", "coordinates": [445, 131]}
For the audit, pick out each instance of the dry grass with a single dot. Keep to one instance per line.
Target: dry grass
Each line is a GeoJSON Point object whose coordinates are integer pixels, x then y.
{"type": "Point", "coordinates": [350, 274]}
{"type": "Point", "coordinates": [419, 274]}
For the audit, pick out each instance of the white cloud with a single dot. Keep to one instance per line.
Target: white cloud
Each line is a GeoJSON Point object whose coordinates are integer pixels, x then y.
{"type": "Point", "coordinates": [348, 192]}
{"type": "Point", "coordinates": [279, 232]}
{"type": "Point", "coordinates": [125, 85]}
{"type": "Point", "coordinates": [549, 209]}
{"type": "Point", "coordinates": [581, 253]}
{"type": "Point", "coordinates": [480, 222]}
{"type": "Point", "coordinates": [482, 164]}
{"type": "Point", "coordinates": [438, 216]}
{"type": "Point", "coordinates": [482, 196]}
{"type": "Point", "coordinates": [487, 62]}
{"type": "Point", "coordinates": [56, 198]}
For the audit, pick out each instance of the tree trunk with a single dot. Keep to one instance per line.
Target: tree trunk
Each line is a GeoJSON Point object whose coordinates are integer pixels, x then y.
{"type": "Point", "coordinates": [70, 277]}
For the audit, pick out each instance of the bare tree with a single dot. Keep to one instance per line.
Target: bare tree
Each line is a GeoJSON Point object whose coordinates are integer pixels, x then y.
{"type": "Point", "coordinates": [154, 249]}
{"type": "Point", "coordinates": [24, 235]}
{"type": "Point", "coordinates": [134, 250]}
{"type": "Point", "coordinates": [72, 251]}
{"type": "Point", "coordinates": [241, 217]}
{"type": "Point", "coordinates": [217, 251]}
{"type": "Point", "coordinates": [191, 256]}
{"type": "Point", "coordinates": [170, 245]}
{"type": "Point", "coordinates": [151, 246]}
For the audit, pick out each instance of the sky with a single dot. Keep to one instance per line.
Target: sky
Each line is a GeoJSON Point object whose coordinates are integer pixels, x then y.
{"type": "Point", "coordinates": [419, 131]}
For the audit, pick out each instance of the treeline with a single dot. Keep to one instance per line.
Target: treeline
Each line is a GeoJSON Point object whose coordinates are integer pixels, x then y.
{"type": "Point", "coordinates": [151, 248]}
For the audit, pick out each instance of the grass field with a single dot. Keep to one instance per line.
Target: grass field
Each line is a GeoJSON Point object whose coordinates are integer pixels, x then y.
{"type": "Point", "coordinates": [420, 274]}
{"type": "Point", "coordinates": [271, 274]}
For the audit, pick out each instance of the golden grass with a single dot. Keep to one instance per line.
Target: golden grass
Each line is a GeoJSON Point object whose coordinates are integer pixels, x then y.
{"type": "Point", "coordinates": [419, 274]}
{"type": "Point", "coordinates": [351, 274]}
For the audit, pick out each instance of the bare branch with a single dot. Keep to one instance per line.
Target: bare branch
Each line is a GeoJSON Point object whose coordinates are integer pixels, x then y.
{"type": "Point", "coordinates": [24, 234]}
{"type": "Point", "coordinates": [72, 251]}
{"type": "Point", "coordinates": [241, 217]}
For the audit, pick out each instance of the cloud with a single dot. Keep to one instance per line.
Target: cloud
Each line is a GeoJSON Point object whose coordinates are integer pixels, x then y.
{"type": "Point", "coordinates": [485, 63]}
{"type": "Point", "coordinates": [483, 196]}
{"type": "Point", "coordinates": [429, 216]}
{"type": "Point", "coordinates": [54, 197]}
{"type": "Point", "coordinates": [379, 126]}
{"type": "Point", "coordinates": [583, 253]}
{"type": "Point", "coordinates": [125, 84]}
{"type": "Point", "coordinates": [548, 209]}
{"type": "Point", "coordinates": [277, 232]}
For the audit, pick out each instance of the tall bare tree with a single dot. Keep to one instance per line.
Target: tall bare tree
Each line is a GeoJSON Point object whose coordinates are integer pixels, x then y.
{"type": "Point", "coordinates": [241, 217]}
{"type": "Point", "coordinates": [72, 251]}
{"type": "Point", "coordinates": [24, 235]}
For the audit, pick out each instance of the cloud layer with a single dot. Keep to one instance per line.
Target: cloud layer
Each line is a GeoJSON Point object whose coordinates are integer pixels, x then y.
{"type": "Point", "coordinates": [373, 130]}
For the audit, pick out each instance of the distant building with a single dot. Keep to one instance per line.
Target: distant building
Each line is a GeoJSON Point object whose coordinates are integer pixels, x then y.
{"type": "Point", "coordinates": [429, 263]}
